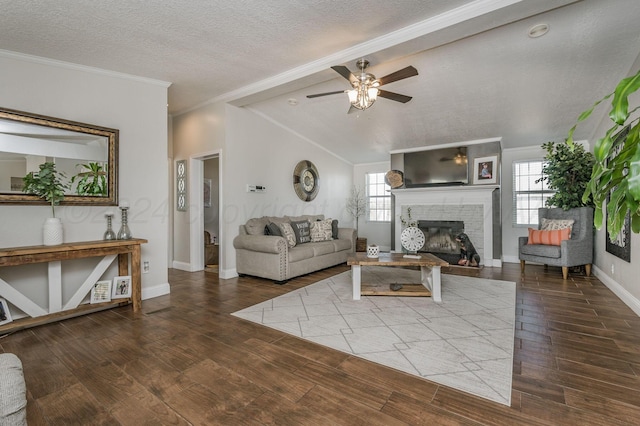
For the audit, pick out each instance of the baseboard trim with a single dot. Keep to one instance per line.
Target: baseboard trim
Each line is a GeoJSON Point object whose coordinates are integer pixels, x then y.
{"type": "Point", "coordinates": [182, 266]}
{"type": "Point", "coordinates": [624, 295]}
{"type": "Point", "coordinates": [156, 291]}
{"type": "Point", "coordinates": [226, 274]}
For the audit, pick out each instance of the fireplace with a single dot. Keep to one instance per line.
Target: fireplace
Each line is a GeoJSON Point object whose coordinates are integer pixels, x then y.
{"type": "Point", "coordinates": [440, 235]}
{"type": "Point", "coordinates": [471, 206]}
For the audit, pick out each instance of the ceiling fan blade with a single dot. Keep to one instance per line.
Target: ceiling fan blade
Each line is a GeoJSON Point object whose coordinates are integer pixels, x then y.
{"type": "Point", "coordinates": [344, 71]}
{"type": "Point", "coordinates": [352, 109]}
{"type": "Point", "coordinates": [317, 95]}
{"type": "Point", "coordinates": [398, 75]}
{"type": "Point", "coordinates": [394, 96]}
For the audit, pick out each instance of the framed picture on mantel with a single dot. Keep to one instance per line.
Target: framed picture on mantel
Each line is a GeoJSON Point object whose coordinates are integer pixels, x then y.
{"type": "Point", "coordinates": [485, 170]}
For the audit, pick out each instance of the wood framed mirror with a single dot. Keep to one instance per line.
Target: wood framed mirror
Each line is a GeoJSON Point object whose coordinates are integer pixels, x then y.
{"type": "Point", "coordinates": [86, 154]}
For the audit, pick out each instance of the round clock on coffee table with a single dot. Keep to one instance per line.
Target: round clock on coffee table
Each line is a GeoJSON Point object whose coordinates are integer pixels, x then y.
{"type": "Point", "coordinates": [412, 239]}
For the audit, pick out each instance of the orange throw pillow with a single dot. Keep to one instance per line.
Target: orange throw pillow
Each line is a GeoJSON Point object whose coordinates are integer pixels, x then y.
{"type": "Point", "coordinates": [551, 238]}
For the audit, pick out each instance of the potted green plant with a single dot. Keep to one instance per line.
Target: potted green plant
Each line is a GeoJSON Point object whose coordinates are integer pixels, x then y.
{"type": "Point", "coordinates": [567, 171]}
{"type": "Point", "coordinates": [615, 177]}
{"type": "Point", "coordinates": [91, 180]}
{"type": "Point", "coordinates": [356, 206]}
{"type": "Point", "coordinates": [47, 183]}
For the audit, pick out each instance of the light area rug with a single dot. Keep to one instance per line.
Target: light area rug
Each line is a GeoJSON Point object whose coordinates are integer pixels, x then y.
{"type": "Point", "coordinates": [465, 342]}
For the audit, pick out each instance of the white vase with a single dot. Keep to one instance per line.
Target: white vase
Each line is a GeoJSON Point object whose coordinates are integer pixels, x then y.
{"type": "Point", "coordinates": [373, 251]}
{"type": "Point", "coordinates": [52, 234]}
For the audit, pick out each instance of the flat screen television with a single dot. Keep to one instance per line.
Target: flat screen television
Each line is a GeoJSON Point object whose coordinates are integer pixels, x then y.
{"type": "Point", "coordinates": [438, 167]}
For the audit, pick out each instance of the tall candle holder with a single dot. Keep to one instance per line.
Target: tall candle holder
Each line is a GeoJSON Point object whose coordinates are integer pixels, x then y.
{"type": "Point", "coordinates": [124, 233]}
{"type": "Point", "coordinates": [109, 234]}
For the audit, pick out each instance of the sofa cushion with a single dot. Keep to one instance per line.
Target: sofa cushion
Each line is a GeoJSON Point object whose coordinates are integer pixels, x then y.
{"type": "Point", "coordinates": [309, 217]}
{"type": "Point", "coordinates": [551, 224]}
{"type": "Point", "coordinates": [272, 229]}
{"type": "Point", "coordinates": [256, 226]}
{"type": "Point", "coordinates": [541, 250]}
{"type": "Point", "coordinates": [302, 230]}
{"type": "Point", "coordinates": [321, 230]}
{"type": "Point", "coordinates": [322, 247]}
{"type": "Point", "coordinates": [552, 238]}
{"type": "Point", "coordinates": [302, 252]}
{"type": "Point", "coordinates": [287, 233]}
{"type": "Point", "coordinates": [13, 400]}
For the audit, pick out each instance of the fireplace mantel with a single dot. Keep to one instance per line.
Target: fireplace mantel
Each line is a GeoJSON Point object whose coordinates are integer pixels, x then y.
{"type": "Point", "coordinates": [451, 196]}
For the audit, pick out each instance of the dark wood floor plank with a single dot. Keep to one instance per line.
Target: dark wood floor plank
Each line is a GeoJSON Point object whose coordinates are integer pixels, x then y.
{"type": "Point", "coordinates": [185, 360]}
{"type": "Point", "coordinates": [416, 412]}
{"type": "Point", "coordinates": [346, 409]}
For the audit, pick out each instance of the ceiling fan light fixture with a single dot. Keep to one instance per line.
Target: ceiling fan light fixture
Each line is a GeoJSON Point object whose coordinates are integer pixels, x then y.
{"type": "Point", "coordinates": [363, 96]}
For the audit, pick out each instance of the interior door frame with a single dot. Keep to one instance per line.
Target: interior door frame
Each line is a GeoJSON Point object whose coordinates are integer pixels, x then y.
{"type": "Point", "coordinates": [196, 208]}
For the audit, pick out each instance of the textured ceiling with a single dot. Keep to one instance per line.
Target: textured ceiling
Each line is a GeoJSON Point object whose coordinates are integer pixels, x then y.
{"type": "Point", "coordinates": [480, 75]}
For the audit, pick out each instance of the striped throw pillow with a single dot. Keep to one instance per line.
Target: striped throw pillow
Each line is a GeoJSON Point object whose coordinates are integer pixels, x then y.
{"type": "Point", "coordinates": [551, 238]}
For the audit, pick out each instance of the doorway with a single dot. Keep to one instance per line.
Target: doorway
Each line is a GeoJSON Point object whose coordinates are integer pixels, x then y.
{"type": "Point", "coordinates": [211, 213]}
{"type": "Point", "coordinates": [205, 209]}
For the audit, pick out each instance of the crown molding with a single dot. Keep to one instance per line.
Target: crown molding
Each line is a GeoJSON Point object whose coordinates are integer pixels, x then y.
{"type": "Point", "coordinates": [83, 68]}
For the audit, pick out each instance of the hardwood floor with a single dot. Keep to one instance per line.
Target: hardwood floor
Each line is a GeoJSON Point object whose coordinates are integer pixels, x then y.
{"type": "Point", "coordinates": [185, 360]}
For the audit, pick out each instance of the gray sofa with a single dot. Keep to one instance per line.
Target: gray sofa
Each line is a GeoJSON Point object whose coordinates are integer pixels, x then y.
{"type": "Point", "coordinates": [271, 257]}
{"type": "Point", "coordinates": [13, 399]}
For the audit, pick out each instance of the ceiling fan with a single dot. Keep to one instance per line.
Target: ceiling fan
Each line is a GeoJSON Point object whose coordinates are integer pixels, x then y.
{"type": "Point", "coordinates": [365, 86]}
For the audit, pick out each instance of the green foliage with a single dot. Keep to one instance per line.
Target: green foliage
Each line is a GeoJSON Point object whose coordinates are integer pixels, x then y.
{"type": "Point", "coordinates": [616, 172]}
{"type": "Point", "coordinates": [568, 171]}
{"type": "Point", "coordinates": [92, 180]}
{"type": "Point", "coordinates": [46, 184]}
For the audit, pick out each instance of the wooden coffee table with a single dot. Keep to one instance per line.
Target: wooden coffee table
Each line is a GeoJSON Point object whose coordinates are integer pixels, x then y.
{"type": "Point", "coordinates": [430, 283]}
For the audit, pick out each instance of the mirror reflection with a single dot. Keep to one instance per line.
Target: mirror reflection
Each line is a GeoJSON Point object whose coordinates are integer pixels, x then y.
{"type": "Point", "coordinates": [85, 154]}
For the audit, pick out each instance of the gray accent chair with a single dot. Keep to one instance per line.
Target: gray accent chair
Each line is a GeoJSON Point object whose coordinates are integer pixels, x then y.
{"type": "Point", "coordinates": [576, 251]}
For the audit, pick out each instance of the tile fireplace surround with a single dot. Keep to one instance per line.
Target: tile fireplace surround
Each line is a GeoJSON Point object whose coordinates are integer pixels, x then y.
{"type": "Point", "coordinates": [471, 204]}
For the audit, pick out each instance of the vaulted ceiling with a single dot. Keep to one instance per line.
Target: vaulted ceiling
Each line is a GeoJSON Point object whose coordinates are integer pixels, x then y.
{"type": "Point", "coordinates": [480, 74]}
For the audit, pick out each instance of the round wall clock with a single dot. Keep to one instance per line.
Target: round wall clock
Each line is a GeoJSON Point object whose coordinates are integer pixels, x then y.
{"type": "Point", "coordinates": [412, 239]}
{"type": "Point", "coordinates": [306, 180]}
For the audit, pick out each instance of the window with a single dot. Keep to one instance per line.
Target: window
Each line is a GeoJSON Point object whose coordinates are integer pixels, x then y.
{"type": "Point", "coordinates": [528, 195]}
{"type": "Point", "coordinates": [378, 198]}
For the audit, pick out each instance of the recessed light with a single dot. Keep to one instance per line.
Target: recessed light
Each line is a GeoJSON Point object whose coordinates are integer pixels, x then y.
{"type": "Point", "coordinates": [292, 101]}
{"type": "Point", "coordinates": [538, 30]}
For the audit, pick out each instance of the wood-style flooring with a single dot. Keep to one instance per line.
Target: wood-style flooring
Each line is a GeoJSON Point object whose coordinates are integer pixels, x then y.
{"type": "Point", "coordinates": [186, 360]}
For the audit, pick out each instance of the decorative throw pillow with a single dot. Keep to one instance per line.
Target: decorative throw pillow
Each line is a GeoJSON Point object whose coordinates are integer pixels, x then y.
{"type": "Point", "coordinates": [321, 230]}
{"type": "Point", "coordinates": [287, 233]}
{"type": "Point", "coordinates": [551, 238]}
{"type": "Point", "coordinates": [272, 229]}
{"type": "Point", "coordinates": [334, 229]}
{"type": "Point", "coordinates": [302, 230]}
{"type": "Point", "coordinates": [551, 224]}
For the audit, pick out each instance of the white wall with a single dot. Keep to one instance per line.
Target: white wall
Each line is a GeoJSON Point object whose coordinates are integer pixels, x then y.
{"type": "Point", "coordinates": [135, 106]}
{"type": "Point", "coordinates": [375, 232]}
{"type": "Point", "coordinates": [258, 152]}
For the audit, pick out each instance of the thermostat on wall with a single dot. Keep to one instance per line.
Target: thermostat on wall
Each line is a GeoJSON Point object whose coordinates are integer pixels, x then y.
{"type": "Point", "coordinates": [256, 188]}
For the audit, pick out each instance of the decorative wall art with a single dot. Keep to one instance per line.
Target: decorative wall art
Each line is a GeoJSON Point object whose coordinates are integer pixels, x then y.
{"type": "Point", "coordinates": [101, 292]}
{"type": "Point", "coordinates": [206, 192]}
{"type": "Point", "coordinates": [121, 287]}
{"type": "Point", "coordinates": [620, 246]}
{"type": "Point", "coordinates": [181, 185]}
{"type": "Point", "coordinates": [306, 180]}
{"type": "Point", "coordinates": [5, 315]}
{"type": "Point", "coordinates": [485, 170]}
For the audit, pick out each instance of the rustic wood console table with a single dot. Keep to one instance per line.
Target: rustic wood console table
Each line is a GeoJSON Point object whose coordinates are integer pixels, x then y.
{"type": "Point", "coordinates": [54, 255]}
